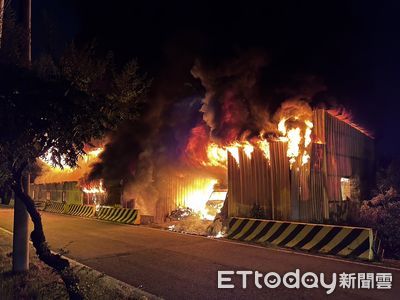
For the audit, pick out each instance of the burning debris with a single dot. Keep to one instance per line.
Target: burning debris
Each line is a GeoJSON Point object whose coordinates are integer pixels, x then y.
{"type": "Point", "coordinates": [190, 225]}
{"type": "Point", "coordinates": [181, 213]}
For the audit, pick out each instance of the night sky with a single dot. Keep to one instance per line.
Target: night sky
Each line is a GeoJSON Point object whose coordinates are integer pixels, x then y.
{"type": "Point", "coordinates": [354, 47]}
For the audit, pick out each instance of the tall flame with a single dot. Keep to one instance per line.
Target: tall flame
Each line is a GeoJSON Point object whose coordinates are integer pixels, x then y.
{"type": "Point", "coordinates": [264, 147]}
{"type": "Point", "coordinates": [307, 135]}
{"type": "Point", "coordinates": [294, 137]}
{"type": "Point", "coordinates": [282, 126]}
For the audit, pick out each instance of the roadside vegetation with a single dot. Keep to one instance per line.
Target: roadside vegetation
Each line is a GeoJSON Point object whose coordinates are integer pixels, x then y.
{"type": "Point", "coordinates": [382, 212]}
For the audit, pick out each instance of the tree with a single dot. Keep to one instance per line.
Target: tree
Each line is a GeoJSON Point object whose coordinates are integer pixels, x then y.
{"type": "Point", "coordinates": [389, 177]}
{"type": "Point", "coordinates": [59, 112]}
{"type": "Point", "coordinates": [13, 37]}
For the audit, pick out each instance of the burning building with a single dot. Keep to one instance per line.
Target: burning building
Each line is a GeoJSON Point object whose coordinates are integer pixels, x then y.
{"type": "Point", "coordinates": [311, 167]}
{"type": "Point", "coordinates": [67, 185]}
{"type": "Point", "coordinates": [313, 172]}
{"type": "Point", "coordinates": [314, 165]}
{"type": "Point", "coordinates": [226, 152]}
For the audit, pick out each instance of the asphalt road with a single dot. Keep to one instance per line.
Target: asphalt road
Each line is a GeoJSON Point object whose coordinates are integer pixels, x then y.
{"type": "Point", "coordinates": [178, 266]}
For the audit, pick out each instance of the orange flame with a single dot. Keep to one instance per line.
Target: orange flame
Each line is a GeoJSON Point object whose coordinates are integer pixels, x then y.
{"type": "Point", "coordinates": [51, 173]}
{"type": "Point", "coordinates": [196, 196]}
{"type": "Point", "coordinates": [216, 155]}
{"type": "Point", "coordinates": [248, 149]}
{"type": "Point", "coordinates": [264, 147]}
{"type": "Point", "coordinates": [94, 189]}
{"type": "Point", "coordinates": [294, 137]}
{"type": "Point", "coordinates": [234, 151]}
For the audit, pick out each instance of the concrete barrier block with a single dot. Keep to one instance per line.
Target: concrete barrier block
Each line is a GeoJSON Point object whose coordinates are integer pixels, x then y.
{"type": "Point", "coordinates": [344, 241]}
{"type": "Point", "coordinates": [120, 215]}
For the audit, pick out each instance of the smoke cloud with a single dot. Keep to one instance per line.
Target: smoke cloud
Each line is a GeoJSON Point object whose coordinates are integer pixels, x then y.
{"type": "Point", "coordinates": [170, 139]}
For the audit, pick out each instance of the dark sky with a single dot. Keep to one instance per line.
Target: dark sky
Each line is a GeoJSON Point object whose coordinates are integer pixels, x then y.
{"type": "Point", "coordinates": [353, 46]}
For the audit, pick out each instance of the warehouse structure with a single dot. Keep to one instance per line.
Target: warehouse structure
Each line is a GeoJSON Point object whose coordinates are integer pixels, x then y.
{"type": "Point", "coordinates": [339, 172]}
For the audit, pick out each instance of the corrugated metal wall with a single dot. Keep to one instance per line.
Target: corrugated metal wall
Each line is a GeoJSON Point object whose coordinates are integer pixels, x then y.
{"type": "Point", "coordinates": [280, 181]}
{"type": "Point", "coordinates": [260, 182]}
{"type": "Point", "coordinates": [303, 193]}
{"type": "Point", "coordinates": [247, 183]}
{"type": "Point", "coordinates": [348, 153]}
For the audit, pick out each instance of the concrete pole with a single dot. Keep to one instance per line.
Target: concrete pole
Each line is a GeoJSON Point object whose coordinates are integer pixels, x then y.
{"type": "Point", "coordinates": [20, 259]}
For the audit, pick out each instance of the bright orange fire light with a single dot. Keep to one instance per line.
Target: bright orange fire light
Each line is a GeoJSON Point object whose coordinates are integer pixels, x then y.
{"type": "Point", "coordinates": [197, 195]}
{"type": "Point", "coordinates": [294, 138]}
{"type": "Point", "coordinates": [294, 127]}
{"type": "Point", "coordinates": [248, 149]}
{"type": "Point", "coordinates": [216, 155]}
{"type": "Point", "coordinates": [51, 173]}
{"type": "Point", "coordinates": [264, 147]}
{"type": "Point", "coordinates": [282, 126]}
{"type": "Point", "coordinates": [234, 151]}
{"type": "Point", "coordinates": [94, 189]}
{"type": "Point", "coordinates": [90, 155]}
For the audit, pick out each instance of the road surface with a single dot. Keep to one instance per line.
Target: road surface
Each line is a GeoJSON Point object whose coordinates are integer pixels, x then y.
{"type": "Point", "coordinates": [178, 266]}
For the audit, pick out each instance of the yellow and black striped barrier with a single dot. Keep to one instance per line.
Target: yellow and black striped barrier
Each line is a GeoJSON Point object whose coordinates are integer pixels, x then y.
{"type": "Point", "coordinates": [81, 210]}
{"type": "Point", "coordinates": [354, 242]}
{"type": "Point", "coordinates": [120, 215]}
{"type": "Point", "coordinates": [56, 207]}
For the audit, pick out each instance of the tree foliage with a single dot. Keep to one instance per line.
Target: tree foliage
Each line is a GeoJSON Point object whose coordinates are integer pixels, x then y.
{"type": "Point", "coordinates": [61, 111]}
{"type": "Point", "coordinates": [57, 107]}
{"type": "Point", "coordinates": [13, 37]}
{"type": "Point", "coordinates": [389, 177]}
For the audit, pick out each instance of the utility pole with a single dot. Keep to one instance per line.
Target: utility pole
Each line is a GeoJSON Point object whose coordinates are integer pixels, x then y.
{"type": "Point", "coordinates": [21, 218]}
